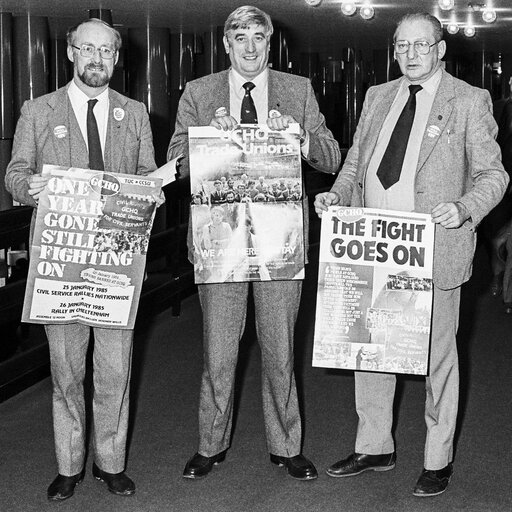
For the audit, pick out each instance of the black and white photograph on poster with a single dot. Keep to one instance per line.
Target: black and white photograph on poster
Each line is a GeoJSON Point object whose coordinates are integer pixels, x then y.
{"type": "Point", "coordinates": [374, 298]}
{"type": "Point", "coordinates": [246, 204]}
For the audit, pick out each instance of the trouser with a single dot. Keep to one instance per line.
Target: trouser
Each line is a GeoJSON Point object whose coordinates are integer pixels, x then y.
{"type": "Point", "coordinates": [224, 313]}
{"type": "Point", "coordinates": [112, 367]}
{"type": "Point", "coordinates": [375, 392]}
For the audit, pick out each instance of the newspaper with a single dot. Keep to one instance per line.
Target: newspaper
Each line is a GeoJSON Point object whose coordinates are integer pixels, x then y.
{"type": "Point", "coordinates": [374, 299]}
{"type": "Point", "coordinates": [246, 206]}
{"type": "Point", "coordinates": [89, 247]}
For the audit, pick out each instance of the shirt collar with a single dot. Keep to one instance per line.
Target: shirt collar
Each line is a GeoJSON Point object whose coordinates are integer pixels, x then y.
{"type": "Point", "coordinates": [430, 85]}
{"type": "Point", "coordinates": [78, 97]}
{"type": "Point", "coordinates": [239, 80]}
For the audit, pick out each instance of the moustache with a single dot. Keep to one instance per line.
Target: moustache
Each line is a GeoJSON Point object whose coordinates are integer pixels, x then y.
{"type": "Point", "coordinates": [95, 67]}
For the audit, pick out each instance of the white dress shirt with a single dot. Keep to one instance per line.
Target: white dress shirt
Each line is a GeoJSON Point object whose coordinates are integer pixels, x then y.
{"type": "Point", "coordinates": [79, 101]}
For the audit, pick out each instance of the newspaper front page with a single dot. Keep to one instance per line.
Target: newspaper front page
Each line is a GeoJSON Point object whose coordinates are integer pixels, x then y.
{"type": "Point", "coordinates": [374, 299]}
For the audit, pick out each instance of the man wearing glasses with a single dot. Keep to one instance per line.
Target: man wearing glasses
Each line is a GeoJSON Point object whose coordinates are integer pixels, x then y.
{"type": "Point", "coordinates": [86, 125]}
{"type": "Point", "coordinates": [424, 143]}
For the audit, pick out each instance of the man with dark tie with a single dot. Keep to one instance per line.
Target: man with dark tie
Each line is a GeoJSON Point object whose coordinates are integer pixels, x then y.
{"type": "Point", "coordinates": [424, 143]}
{"type": "Point", "coordinates": [248, 91]}
{"type": "Point", "coordinates": [218, 196]}
{"type": "Point", "coordinates": [85, 125]}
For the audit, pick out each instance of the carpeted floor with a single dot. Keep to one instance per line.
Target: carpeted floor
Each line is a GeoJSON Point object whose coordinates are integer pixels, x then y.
{"type": "Point", "coordinates": [167, 366]}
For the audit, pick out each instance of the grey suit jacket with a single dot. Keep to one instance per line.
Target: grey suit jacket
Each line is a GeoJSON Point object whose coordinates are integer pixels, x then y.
{"type": "Point", "coordinates": [38, 140]}
{"type": "Point", "coordinates": [461, 163]}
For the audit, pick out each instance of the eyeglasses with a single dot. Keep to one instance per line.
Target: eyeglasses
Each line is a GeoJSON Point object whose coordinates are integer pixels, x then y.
{"type": "Point", "coordinates": [421, 47]}
{"type": "Point", "coordinates": [89, 50]}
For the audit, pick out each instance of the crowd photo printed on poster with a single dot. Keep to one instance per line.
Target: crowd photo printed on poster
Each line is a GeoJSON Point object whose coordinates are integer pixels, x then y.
{"type": "Point", "coordinates": [89, 248]}
{"type": "Point", "coordinates": [374, 298]}
{"type": "Point", "coordinates": [246, 204]}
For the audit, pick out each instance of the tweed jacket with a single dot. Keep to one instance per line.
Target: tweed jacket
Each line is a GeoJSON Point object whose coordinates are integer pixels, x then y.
{"type": "Point", "coordinates": [459, 160]}
{"type": "Point", "coordinates": [48, 133]}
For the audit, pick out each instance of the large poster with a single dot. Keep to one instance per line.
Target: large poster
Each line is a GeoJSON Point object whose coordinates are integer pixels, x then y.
{"type": "Point", "coordinates": [247, 214]}
{"type": "Point", "coordinates": [374, 300]}
{"type": "Point", "coordinates": [89, 248]}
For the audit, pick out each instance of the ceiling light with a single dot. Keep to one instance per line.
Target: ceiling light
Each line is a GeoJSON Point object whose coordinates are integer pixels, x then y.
{"type": "Point", "coordinates": [489, 15]}
{"type": "Point", "coordinates": [446, 5]}
{"type": "Point", "coordinates": [348, 8]}
{"type": "Point", "coordinates": [367, 12]}
{"type": "Point", "coordinates": [452, 28]}
{"type": "Point", "coordinates": [313, 3]}
{"type": "Point", "coordinates": [469, 31]}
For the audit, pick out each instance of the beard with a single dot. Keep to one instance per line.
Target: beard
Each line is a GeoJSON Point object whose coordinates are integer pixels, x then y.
{"type": "Point", "coordinates": [94, 76]}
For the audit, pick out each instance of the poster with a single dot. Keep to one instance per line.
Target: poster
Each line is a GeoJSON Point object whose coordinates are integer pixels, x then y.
{"type": "Point", "coordinates": [374, 298]}
{"type": "Point", "coordinates": [246, 207]}
{"type": "Point", "coordinates": [89, 248]}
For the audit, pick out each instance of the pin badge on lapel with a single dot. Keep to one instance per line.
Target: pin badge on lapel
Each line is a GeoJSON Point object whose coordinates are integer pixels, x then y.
{"type": "Point", "coordinates": [433, 131]}
{"type": "Point", "coordinates": [60, 131]}
{"type": "Point", "coordinates": [274, 113]}
{"type": "Point", "coordinates": [118, 114]}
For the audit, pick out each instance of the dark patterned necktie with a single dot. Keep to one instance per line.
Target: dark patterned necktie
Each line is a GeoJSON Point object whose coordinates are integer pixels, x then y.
{"type": "Point", "coordinates": [248, 114]}
{"type": "Point", "coordinates": [391, 164]}
{"type": "Point", "coordinates": [93, 139]}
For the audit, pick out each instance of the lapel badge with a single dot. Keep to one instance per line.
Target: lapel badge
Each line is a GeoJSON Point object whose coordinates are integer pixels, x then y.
{"type": "Point", "coordinates": [433, 131]}
{"type": "Point", "coordinates": [60, 131]}
{"type": "Point", "coordinates": [118, 114]}
{"type": "Point", "coordinates": [221, 112]}
{"type": "Point", "coordinates": [274, 113]}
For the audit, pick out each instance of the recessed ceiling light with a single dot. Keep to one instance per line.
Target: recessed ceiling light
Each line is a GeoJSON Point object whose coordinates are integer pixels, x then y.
{"type": "Point", "coordinates": [452, 28]}
{"type": "Point", "coordinates": [469, 31]}
{"type": "Point", "coordinates": [348, 8]}
{"type": "Point", "coordinates": [446, 5]}
{"type": "Point", "coordinates": [367, 12]}
{"type": "Point", "coordinates": [489, 15]}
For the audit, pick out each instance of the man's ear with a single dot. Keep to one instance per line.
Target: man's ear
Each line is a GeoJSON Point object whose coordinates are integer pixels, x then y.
{"type": "Point", "coordinates": [70, 53]}
{"type": "Point", "coordinates": [441, 48]}
{"type": "Point", "coordinates": [226, 44]}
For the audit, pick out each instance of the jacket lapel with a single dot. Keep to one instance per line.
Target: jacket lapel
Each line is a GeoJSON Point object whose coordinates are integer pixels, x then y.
{"type": "Point", "coordinates": [438, 118]}
{"type": "Point", "coordinates": [116, 132]}
{"type": "Point", "coordinates": [68, 142]}
{"type": "Point", "coordinates": [380, 109]}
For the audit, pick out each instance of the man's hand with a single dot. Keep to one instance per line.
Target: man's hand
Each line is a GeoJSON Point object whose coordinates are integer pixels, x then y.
{"type": "Point", "coordinates": [450, 215]}
{"type": "Point", "coordinates": [324, 200]}
{"type": "Point", "coordinates": [36, 184]}
{"type": "Point", "coordinates": [279, 122]}
{"type": "Point", "coordinates": [225, 123]}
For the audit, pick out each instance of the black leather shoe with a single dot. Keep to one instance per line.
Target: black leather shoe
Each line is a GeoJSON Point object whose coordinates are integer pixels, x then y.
{"type": "Point", "coordinates": [118, 483]}
{"type": "Point", "coordinates": [199, 465]}
{"type": "Point", "coordinates": [297, 467]}
{"type": "Point", "coordinates": [359, 462]}
{"type": "Point", "coordinates": [433, 482]}
{"type": "Point", "coordinates": [63, 487]}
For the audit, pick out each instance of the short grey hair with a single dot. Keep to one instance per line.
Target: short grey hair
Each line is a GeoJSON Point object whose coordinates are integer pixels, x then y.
{"type": "Point", "coordinates": [248, 15]}
{"type": "Point", "coordinates": [70, 36]}
{"type": "Point", "coordinates": [437, 28]}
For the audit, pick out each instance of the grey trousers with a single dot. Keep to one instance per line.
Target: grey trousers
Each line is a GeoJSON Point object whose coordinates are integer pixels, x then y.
{"type": "Point", "coordinates": [224, 313]}
{"type": "Point", "coordinates": [375, 392]}
{"type": "Point", "coordinates": [112, 369]}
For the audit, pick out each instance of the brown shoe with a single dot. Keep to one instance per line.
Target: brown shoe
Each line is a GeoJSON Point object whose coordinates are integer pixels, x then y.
{"type": "Point", "coordinates": [358, 463]}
